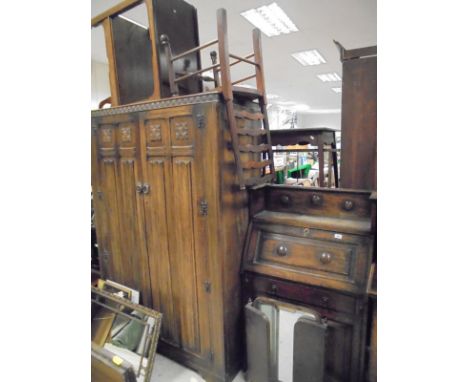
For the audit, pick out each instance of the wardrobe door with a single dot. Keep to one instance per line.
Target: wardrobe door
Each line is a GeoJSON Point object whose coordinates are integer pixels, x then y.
{"type": "Point", "coordinates": [132, 190]}
{"type": "Point", "coordinates": [158, 201]}
{"type": "Point", "coordinates": [188, 236]}
{"type": "Point", "coordinates": [106, 200]}
{"type": "Point", "coordinates": [120, 177]}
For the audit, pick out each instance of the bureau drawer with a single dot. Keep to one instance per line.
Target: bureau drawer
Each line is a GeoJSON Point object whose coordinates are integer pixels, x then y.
{"type": "Point", "coordinates": [324, 299]}
{"type": "Point", "coordinates": [309, 256]}
{"type": "Point", "coordinates": [313, 255]}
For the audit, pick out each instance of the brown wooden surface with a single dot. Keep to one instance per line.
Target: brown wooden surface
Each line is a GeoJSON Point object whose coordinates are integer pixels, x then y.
{"type": "Point", "coordinates": [191, 259]}
{"type": "Point", "coordinates": [103, 369]}
{"type": "Point", "coordinates": [117, 9]}
{"type": "Point", "coordinates": [137, 60]}
{"type": "Point", "coordinates": [113, 78]}
{"type": "Point", "coordinates": [314, 247]}
{"type": "Point", "coordinates": [359, 124]}
{"type": "Point", "coordinates": [372, 366]}
{"type": "Point", "coordinates": [304, 136]}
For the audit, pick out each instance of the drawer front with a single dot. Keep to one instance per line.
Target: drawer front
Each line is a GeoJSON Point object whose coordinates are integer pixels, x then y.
{"type": "Point", "coordinates": [305, 254]}
{"type": "Point", "coordinates": [310, 256]}
{"type": "Point", "coordinates": [325, 300]}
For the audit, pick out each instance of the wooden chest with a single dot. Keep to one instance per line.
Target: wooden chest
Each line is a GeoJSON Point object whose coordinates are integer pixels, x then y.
{"type": "Point", "coordinates": [171, 221]}
{"type": "Point", "coordinates": [314, 247]}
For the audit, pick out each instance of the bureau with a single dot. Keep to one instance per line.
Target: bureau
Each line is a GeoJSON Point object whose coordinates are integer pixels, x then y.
{"type": "Point", "coordinates": [314, 248]}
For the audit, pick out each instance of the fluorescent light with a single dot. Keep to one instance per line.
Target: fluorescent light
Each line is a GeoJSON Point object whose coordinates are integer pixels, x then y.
{"type": "Point", "coordinates": [337, 90]}
{"type": "Point", "coordinates": [246, 86]}
{"type": "Point", "coordinates": [329, 77]}
{"type": "Point", "coordinates": [133, 21]}
{"type": "Point", "coordinates": [285, 103]}
{"type": "Point", "coordinates": [309, 57]}
{"type": "Point", "coordinates": [323, 111]}
{"type": "Point", "coordinates": [270, 19]}
{"type": "Point", "coordinates": [300, 107]}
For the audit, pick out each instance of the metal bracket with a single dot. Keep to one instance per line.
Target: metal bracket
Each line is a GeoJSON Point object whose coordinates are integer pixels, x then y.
{"type": "Point", "coordinates": [207, 286]}
{"type": "Point", "coordinates": [203, 207]}
{"type": "Point", "coordinates": [146, 188]}
{"type": "Point", "coordinates": [201, 121]}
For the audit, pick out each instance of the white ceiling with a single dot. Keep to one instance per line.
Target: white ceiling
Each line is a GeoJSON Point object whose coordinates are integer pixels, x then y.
{"type": "Point", "coordinates": [352, 22]}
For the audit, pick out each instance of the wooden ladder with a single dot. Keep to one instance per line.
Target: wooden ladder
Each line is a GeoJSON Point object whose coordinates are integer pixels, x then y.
{"type": "Point", "coordinates": [259, 152]}
{"type": "Point", "coordinates": [252, 144]}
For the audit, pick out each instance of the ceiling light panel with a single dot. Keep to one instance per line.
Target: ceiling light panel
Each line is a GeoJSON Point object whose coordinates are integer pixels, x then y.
{"type": "Point", "coordinates": [329, 77]}
{"type": "Point", "coordinates": [337, 90]}
{"type": "Point", "coordinates": [309, 57]}
{"type": "Point", "coordinates": [271, 20]}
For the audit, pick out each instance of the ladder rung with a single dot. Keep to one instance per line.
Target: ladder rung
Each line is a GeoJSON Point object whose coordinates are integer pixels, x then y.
{"type": "Point", "coordinates": [258, 179]}
{"type": "Point", "coordinates": [251, 116]}
{"type": "Point", "coordinates": [255, 164]}
{"type": "Point", "coordinates": [251, 132]}
{"type": "Point", "coordinates": [254, 148]}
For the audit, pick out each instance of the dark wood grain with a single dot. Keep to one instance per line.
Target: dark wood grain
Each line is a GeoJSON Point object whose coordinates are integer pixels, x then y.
{"type": "Point", "coordinates": [132, 49]}
{"type": "Point", "coordinates": [359, 123]}
{"type": "Point", "coordinates": [185, 260]}
{"type": "Point", "coordinates": [314, 247]}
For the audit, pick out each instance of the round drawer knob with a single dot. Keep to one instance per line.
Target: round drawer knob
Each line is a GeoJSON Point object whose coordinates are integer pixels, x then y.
{"type": "Point", "coordinates": [282, 250]}
{"type": "Point", "coordinates": [325, 258]}
{"type": "Point", "coordinates": [285, 200]}
{"type": "Point", "coordinates": [316, 200]}
{"type": "Point", "coordinates": [348, 205]}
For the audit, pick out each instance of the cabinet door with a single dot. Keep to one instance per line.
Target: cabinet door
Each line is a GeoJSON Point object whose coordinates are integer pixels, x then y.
{"type": "Point", "coordinates": [105, 197]}
{"type": "Point", "coordinates": [157, 171]}
{"type": "Point", "coordinates": [119, 167]}
{"type": "Point", "coordinates": [176, 229]}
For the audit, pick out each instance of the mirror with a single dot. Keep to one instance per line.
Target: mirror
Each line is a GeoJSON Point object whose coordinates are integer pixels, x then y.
{"type": "Point", "coordinates": [124, 336]}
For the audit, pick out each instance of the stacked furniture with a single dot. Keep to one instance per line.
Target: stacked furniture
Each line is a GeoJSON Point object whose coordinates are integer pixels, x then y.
{"type": "Point", "coordinates": [136, 55]}
{"type": "Point", "coordinates": [314, 248]}
{"type": "Point", "coordinates": [170, 210]}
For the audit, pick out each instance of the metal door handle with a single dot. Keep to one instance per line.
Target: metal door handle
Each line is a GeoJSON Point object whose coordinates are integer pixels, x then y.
{"type": "Point", "coordinates": [145, 189]}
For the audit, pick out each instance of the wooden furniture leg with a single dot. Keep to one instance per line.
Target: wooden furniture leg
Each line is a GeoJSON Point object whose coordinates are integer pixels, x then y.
{"type": "Point", "coordinates": [321, 160]}
{"type": "Point", "coordinates": [330, 165]}
{"type": "Point", "coordinates": [335, 165]}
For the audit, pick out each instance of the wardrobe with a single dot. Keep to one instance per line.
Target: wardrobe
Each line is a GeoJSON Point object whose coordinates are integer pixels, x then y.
{"type": "Point", "coordinates": [171, 220]}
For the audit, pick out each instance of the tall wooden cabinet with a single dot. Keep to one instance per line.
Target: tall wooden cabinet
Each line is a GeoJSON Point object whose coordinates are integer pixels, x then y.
{"type": "Point", "coordinates": [171, 220]}
{"type": "Point", "coordinates": [359, 118]}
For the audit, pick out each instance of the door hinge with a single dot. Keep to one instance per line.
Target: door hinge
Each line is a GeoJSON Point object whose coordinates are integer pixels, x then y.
{"type": "Point", "coordinates": [207, 286]}
{"type": "Point", "coordinates": [203, 207]}
{"type": "Point", "coordinates": [201, 121]}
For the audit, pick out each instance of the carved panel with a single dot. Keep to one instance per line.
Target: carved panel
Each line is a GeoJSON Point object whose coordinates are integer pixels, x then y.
{"type": "Point", "coordinates": [106, 135]}
{"type": "Point", "coordinates": [157, 135]}
{"type": "Point", "coordinates": [154, 132]}
{"type": "Point", "coordinates": [126, 134]}
{"type": "Point", "coordinates": [182, 131]}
